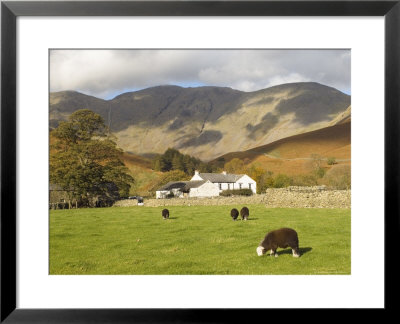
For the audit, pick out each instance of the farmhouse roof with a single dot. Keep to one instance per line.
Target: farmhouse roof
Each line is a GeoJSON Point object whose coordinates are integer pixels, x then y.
{"type": "Point", "coordinates": [194, 184]}
{"type": "Point", "coordinates": [173, 185]}
{"type": "Point", "coordinates": [183, 185]}
{"type": "Point", "coordinates": [220, 177]}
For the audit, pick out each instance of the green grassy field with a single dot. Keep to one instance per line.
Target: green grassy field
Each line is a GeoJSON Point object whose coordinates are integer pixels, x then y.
{"type": "Point", "coordinates": [195, 240]}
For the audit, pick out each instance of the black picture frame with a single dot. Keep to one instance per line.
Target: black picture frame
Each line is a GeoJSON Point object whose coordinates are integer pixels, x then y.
{"type": "Point", "coordinates": [11, 10]}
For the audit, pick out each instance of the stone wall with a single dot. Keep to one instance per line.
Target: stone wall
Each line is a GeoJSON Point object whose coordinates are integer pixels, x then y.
{"type": "Point", "coordinates": [291, 197]}
{"type": "Point", "coordinates": [308, 197]}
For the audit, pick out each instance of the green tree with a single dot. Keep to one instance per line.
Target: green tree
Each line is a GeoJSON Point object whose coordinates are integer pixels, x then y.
{"type": "Point", "coordinates": [157, 164]}
{"type": "Point", "coordinates": [172, 159]}
{"type": "Point", "coordinates": [177, 162]}
{"type": "Point", "coordinates": [282, 181]}
{"type": "Point", "coordinates": [85, 161]}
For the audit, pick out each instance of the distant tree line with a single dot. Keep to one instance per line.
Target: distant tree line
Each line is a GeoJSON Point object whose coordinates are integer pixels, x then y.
{"type": "Point", "coordinates": [176, 166]}
{"type": "Point", "coordinates": [172, 159]}
{"type": "Point", "coordinates": [337, 177]}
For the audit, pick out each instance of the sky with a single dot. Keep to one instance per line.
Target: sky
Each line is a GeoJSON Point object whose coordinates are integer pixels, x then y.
{"type": "Point", "coordinates": [108, 73]}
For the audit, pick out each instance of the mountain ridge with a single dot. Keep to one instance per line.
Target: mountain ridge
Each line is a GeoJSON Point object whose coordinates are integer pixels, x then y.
{"type": "Point", "coordinates": [207, 121]}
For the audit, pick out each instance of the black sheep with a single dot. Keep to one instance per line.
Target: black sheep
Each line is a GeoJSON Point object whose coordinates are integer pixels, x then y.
{"type": "Point", "coordinates": [281, 238]}
{"type": "Point", "coordinates": [234, 213]}
{"type": "Point", "coordinates": [244, 213]}
{"type": "Point", "coordinates": [165, 213]}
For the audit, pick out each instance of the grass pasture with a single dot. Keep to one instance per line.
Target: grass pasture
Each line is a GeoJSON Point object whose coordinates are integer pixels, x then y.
{"type": "Point", "coordinates": [195, 240]}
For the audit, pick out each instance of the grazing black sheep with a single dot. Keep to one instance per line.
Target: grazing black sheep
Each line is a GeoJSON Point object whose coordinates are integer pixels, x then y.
{"type": "Point", "coordinates": [282, 238]}
{"type": "Point", "coordinates": [165, 213]}
{"type": "Point", "coordinates": [234, 213]}
{"type": "Point", "coordinates": [244, 213]}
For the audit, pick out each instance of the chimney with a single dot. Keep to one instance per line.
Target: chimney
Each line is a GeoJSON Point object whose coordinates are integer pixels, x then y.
{"type": "Point", "coordinates": [224, 172]}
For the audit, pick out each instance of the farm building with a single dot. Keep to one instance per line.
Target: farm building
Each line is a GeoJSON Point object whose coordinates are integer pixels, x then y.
{"type": "Point", "coordinates": [227, 181]}
{"type": "Point", "coordinates": [206, 185]}
{"type": "Point", "coordinates": [185, 189]}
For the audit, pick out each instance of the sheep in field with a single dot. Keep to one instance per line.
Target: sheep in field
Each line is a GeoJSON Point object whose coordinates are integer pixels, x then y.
{"type": "Point", "coordinates": [234, 213]}
{"type": "Point", "coordinates": [281, 238]}
{"type": "Point", "coordinates": [244, 213]}
{"type": "Point", "coordinates": [165, 213]}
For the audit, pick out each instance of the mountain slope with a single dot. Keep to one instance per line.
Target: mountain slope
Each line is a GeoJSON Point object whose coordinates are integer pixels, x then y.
{"type": "Point", "coordinates": [208, 122]}
{"type": "Point", "coordinates": [292, 155]}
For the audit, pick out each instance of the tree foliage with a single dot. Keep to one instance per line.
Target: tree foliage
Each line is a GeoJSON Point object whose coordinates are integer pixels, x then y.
{"type": "Point", "coordinates": [174, 175]}
{"type": "Point", "coordinates": [172, 159]}
{"type": "Point", "coordinates": [86, 162]}
{"type": "Point", "coordinates": [235, 166]}
{"type": "Point", "coordinates": [331, 160]}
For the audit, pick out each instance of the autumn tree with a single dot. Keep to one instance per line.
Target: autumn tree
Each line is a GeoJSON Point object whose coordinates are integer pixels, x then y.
{"type": "Point", "coordinates": [235, 166]}
{"type": "Point", "coordinates": [315, 163]}
{"type": "Point", "coordinates": [339, 177]}
{"type": "Point", "coordinates": [85, 161]}
{"type": "Point", "coordinates": [174, 175]}
{"type": "Point", "coordinates": [262, 177]}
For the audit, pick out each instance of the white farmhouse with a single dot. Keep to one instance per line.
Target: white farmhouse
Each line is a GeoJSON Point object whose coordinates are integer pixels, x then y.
{"type": "Point", "coordinates": [227, 181]}
{"type": "Point", "coordinates": [183, 189]}
{"type": "Point", "coordinates": [206, 185]}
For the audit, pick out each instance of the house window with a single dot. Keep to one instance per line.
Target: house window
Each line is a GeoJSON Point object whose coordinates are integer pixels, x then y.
{"type": "Point", "coordinates": [229, 186]}
{"type": "Point", "coordinates": [249, 185]}
{"type": "Point", "coordinates": [220, 186]}
{"type": "Point", "coordinates": [240, 186]}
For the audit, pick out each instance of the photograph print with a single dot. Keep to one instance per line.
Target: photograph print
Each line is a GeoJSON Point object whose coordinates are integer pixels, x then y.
{"type": "Point", "coordinates": [200, 161]}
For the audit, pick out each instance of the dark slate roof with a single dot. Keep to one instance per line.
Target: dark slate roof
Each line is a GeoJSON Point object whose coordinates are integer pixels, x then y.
{"type": "Point", "coordinates": [183, 185]}
{"type": "Point", "coordinates": [194, 184]}
{"type": "Point", "coordinates": [173, 185]}
{"type": "Point", "coordinates": [220, 177]}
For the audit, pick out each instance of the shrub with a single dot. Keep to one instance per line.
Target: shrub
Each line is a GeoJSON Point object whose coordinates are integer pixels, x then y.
{"type": "Point", "coordinates": [339, 177]}
{"type": "Point", "coordinates": [171, 195]}
{"type": "Point", "coordinates": [331, 160]}
{"type": "Point", "coordinates": [236, 192]}
{"type": "Point", "coordinates": [320, 172]}
{"type": "Point", "coordinates": [282, 181]}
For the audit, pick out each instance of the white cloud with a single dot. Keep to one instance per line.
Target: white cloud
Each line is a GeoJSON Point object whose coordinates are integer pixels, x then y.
{"type": "Point", "coordinates": [103, 73]}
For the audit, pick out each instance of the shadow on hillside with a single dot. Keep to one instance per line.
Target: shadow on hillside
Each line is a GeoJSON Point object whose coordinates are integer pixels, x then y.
{"type": "Point", "coordinates": [172, 218]}
{"type": "Point", "coordinates": [303, 250]}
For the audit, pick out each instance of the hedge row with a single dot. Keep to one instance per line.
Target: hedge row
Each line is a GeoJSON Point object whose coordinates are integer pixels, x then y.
{"type": "Point", "coordinates": [236, 192]}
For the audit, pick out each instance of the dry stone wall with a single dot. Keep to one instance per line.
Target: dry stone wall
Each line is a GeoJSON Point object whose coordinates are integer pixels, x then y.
{"type": "Point", "coordinates": [308, 197]}
{"type": "Point", "coordinates": [291, 197]}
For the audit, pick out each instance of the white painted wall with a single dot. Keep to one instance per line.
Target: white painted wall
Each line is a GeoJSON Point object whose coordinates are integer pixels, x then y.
{"type": "Point", "coordinates": [208, 189]}
{"type": "Point", "coordinates": [163, 193]}
{"type": "Point", "coordinates": [196, 176]}
{"type": "Point", "coordinates": [246, 181]}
